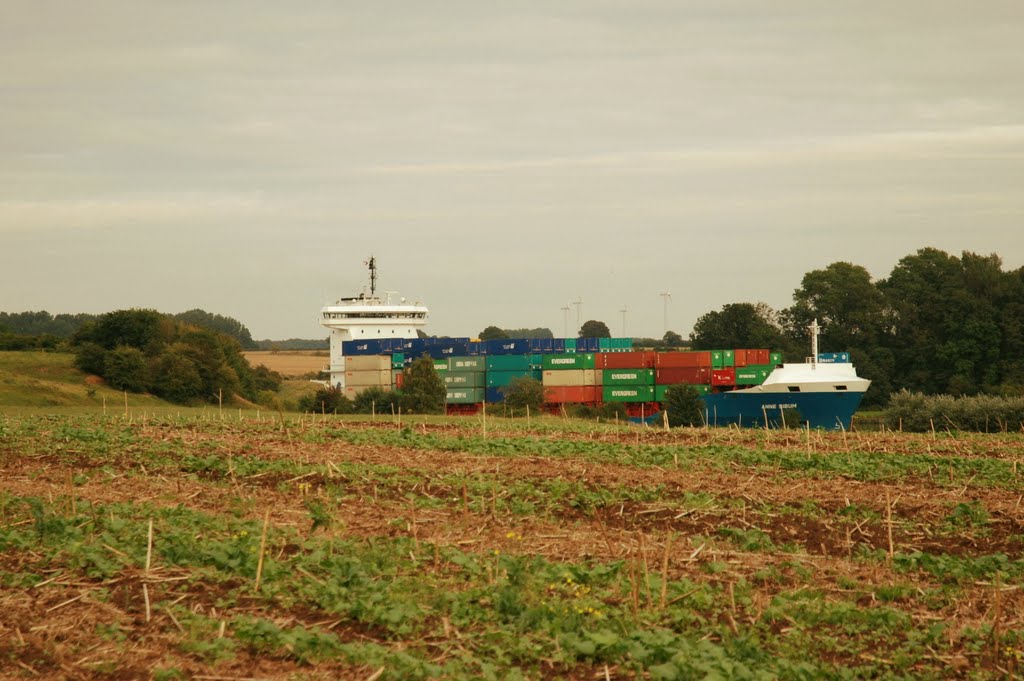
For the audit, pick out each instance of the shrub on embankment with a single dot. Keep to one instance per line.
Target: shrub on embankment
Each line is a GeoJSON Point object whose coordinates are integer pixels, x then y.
{"type": "Point", "coordinates": [918, 412]}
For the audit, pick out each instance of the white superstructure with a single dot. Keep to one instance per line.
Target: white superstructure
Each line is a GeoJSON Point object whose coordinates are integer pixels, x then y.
{"type": "Point", "coordinates": [368, 317]}
{"type": "Point", "coordinates": [813, 376]}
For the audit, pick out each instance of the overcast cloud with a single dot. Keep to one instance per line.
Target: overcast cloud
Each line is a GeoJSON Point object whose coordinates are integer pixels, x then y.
{"type": "Point", "coordinates": [499, 159]}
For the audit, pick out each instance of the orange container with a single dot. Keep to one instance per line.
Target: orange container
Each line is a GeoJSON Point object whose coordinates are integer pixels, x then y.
{"type": "Point", "coordinates": [682, 359]}
{"type": "Point", "coordinates": [571, 394]}
{"type": "Point", "coordinates": [687, 375]}
{"type": "Point", "coordinates": [624, 360]}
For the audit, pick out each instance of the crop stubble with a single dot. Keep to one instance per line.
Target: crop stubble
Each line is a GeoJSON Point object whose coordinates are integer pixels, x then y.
{"type": "Point", "coordinates": [733, 523]}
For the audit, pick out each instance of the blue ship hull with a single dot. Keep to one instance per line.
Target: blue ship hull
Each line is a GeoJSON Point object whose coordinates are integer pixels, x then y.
{"type": "Point", "coordinates": [749, 408]}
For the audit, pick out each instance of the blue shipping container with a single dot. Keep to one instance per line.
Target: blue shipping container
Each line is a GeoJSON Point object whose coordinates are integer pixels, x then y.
{"type": "Point", "coordinates": [363, 347]}
{"type": "Point", "coordinates": [540, 345]}
{"type": "Point", "coordinates": [834, 357]}
{"type": "Point", "coordinates": [438, 350]}
{"type": "Point", "coordinates": [494, 395]}
{"type": "Point", "coordinates": [508, 346]}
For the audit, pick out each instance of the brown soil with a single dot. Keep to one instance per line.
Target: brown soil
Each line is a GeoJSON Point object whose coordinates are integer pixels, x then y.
{"type": "Point", "coordinates": [48, 635]}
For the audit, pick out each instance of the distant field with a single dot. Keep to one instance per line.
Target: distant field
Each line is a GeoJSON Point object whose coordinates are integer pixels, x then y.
{"type": "Point", "coordinates": [289, 364]}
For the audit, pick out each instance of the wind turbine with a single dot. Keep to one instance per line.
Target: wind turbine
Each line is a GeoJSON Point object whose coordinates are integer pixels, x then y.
{"type": "Point", "coordinates": [666, 296]}
{"type": "Point", "coordinates": [565, 315]}
{"type": "Point", "coordinates": [579, 311]}
{"type": "Point", "coordinates": [624, 310]}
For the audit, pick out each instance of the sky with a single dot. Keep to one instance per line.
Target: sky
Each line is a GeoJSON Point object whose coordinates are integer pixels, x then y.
{"type": "Point", "coordinates": [499, 159]}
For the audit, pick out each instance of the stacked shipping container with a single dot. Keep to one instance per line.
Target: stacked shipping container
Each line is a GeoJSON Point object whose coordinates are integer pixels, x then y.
{"type": "Point", "coordinates": [475, 372]}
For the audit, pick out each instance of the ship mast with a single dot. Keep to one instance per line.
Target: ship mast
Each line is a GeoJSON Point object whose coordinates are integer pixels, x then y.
{"type": "Point", "coordinates": [814, 329]}
{"type": "Point", "coordinates": [372, 264]}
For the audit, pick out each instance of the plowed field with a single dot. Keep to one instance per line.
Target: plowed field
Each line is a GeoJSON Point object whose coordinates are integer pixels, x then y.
{"type": "Point", "coordinates": [338, 548]}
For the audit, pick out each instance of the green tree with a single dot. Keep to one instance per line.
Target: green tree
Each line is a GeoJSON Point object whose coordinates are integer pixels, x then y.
{"type": "Point", "coordinates": [523, 392]}
{"type": "Point", "coordinates": [90, 358]}
{"type": "Point", "coordinates": [946, 321]}
{"type": "Point", "coordinates": [132, 328]}
{"type": "Point", "coordinates": [492, 333]}
{"type": "Point", "coordinates": [175, 378]}
{"type": "Point", "coordinates": [594, 329]}
{"type": "Point", "coordinates": [424, 391]}
{"type": "Point", "coordinates": [125, 369]}
{"type": "Point", "coordinates": [847, 304]}
{"type": "Point", "coordinates": [215, 322]}
{"type": "Point", "coordinates": [738, 325]}
{"type": "Point", "coordinates": [671, 339]}
{"type": "Point", "coordinates": [684, 405]}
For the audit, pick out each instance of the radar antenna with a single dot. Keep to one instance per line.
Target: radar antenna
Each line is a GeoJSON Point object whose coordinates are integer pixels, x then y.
{"type": "Point", "coordinates": [372, 264]}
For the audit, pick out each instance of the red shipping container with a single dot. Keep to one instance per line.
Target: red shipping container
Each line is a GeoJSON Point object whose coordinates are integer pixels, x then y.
{"type": "Point", "coordinates": [572, 394]}
{"type": "Point", "coordinates": [400, 380]}
{"type": "Point", "coordinates": [682, 359]}
{"type": "Point", "coordinates": [688, 375]}
{"type": "Point", "coordinates": [723, 376]}
{"type": "Point", "coordinates": [741, 358]}
{"type": "Point", "coordinates": [624, 360]}
{"type": "Point", "coordinates": [763, 357]}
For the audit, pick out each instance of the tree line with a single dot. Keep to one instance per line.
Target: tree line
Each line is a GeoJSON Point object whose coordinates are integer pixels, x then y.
{"type": "Point", "coordinates": [145, 351]}
{"type": "Point", "coordinates": [30, 330]}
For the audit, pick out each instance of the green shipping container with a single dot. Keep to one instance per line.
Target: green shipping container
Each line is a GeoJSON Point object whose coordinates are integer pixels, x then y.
{"type": "Point", "coordinates": [628, 377]}
{"type": "Point", "coordinates": [499, 379]}
{"type": "Point", "coordinates": [570, 345]}
{"type": "Point", "coordinates": [628, 393]}
{"type": "Point", "coordinates": [509, 362]}
{"type": "Point", "coordinates": [464, 379]}
{"type": "Point", "coordinates": [660, 390]}
{"type": "Point", "coordinates": [748, 376]}
{"type": "Point", "coordinates": [775, 358]}
{"type": "Point", "coordinates": [440, 365]}
{"type": "Point", "coordinates": [398, 360]}
{"type": "Point", "coordinates": [579, 360]}
{"type": "Point", "coordinates": [464, 395]}
{"type": "Point", "coordinates": [728, 358]}
{"type": "Point", "coordinates": [615, 344]}
{"type": "Point", "coordinates": [476, 363]}
{"type": "Point", "coordinates": [717, 359]}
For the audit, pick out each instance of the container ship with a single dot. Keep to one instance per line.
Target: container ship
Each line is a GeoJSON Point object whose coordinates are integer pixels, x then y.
{"type": "Point", "coordinates": [374, 339]}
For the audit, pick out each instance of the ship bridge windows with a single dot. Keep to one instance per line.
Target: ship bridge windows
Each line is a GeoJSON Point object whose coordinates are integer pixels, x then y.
{"type": "Point", "coordinates": [794, 388]}
{"type": "Point", "coordinates": [375, 315]}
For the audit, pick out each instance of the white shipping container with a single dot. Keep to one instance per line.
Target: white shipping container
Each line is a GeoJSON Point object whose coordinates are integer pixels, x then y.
{"type": "Point", "coordinates": [368, 362]}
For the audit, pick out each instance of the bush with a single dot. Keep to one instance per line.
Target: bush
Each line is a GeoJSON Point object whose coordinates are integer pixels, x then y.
{"type": "Point", "coordinates": [524, 392]}
{"type": "Point", "coordinates": [125, 369]}
{"type": "Point", "coordinates": [175, 377]}
{"type": "Point", "coordinates": [328, 400]}
{"type": "Point", "coordinates": [916, 412]}
{"type": "Point", "coordinates": [684, 405]}
{"type": "Point", "coordinates": [608, 411]}
{"type": "Point", "coordinates": [377, 400]}
{"type": "Point", "coordinates": [91, 358]}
